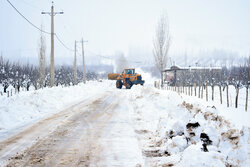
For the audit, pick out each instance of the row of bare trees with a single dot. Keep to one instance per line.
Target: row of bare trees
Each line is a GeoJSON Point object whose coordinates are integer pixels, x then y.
{"type": "Point", "coordinates": [24, 75]}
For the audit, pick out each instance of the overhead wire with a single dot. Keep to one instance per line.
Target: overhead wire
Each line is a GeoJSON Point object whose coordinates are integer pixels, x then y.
{"type": "Point", "coordinates": [38, 27]}
{"type": "Point", "coordinates": [26, 18]}
{"type": "Point", "coordinates": [62, 43]}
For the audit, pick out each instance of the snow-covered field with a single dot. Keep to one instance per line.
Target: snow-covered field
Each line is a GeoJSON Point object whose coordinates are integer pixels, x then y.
{"type": "Point", "coordinates": [168, 128]}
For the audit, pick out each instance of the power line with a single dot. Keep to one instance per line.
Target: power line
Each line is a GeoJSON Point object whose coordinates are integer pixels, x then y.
{"type": "Point", "coordinates": [38, 27]}
{"type": "Point", "coordinates": [63, 43]}
{"type": "Point", "coordinates": [26, 18]}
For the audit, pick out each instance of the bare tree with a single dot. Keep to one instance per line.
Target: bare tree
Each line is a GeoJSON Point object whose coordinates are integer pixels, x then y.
{"type": "Point", "coordinates": [42, 61]}
{"type": "Point", "coordinates": [161, 45]}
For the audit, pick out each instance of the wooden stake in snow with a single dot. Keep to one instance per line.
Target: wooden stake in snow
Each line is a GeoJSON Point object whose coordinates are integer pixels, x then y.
{"type": "Point", "coordinates": [236, 97]}
{"type": "Point", "coordinates": [213, 92]}
{"type": "Point", "coordinates": [206, 92]}
{"type": "Point", "coordinates": [246, 98]}
{"type": "Point", "coordinates": [227, 97]}
{"type": "Point", "coordinates": [8, 93]}
{"type": "Point", "coordinates": [195, 89]}
{"type": "Point", "coordinates": [191, 90]}
{"type": "Point", "coordinates": [220, 94]}
{"type": "Point", "coordinates": [199, 94]}
{"type": "Point", "coordinates": [202, 91]}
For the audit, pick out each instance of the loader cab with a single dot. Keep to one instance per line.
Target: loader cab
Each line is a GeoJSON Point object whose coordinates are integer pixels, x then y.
{"type": "Point", "coordinates": [129, 71]}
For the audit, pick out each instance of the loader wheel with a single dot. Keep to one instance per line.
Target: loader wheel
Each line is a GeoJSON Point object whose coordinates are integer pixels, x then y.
{"type": "Point", "coordinates": [119, 84]}
{"type": "Point", "coordinates": [128, 85]}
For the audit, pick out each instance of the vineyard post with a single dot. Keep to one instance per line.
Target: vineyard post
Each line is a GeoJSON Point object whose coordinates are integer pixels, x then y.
{"type": "Point", "coordinates": [191, 90]}
{"type": "Point", "coordinates": [227, 97]}
{"type": "Point", "coordinates": [246, 98]}
{"type": "Point", "coordinates": [195, 89]}
{"type": "Point", "coordinates": [206, 92]}
{"type": "Point", "coordinates": [220, 94]}
{"type": "Point", "coordinates": [199, 94]}
{"type": "Point", "coordinates": [202, 87]}
{"type": "Point", "coordinates": [236, 97]}
{"type": "Point", "coordinates": [212, 91]}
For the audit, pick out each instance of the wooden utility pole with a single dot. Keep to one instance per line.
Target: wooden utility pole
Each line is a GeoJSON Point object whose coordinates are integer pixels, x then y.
{"type": "Point", "coordinates": [75, 68]}
{"type": "Point", "coordinates": [83, 62]}
{"type": "Point", "coordinates": [52, 60]}
{"type": "Point", "coordinates": [83, 59]}
{"type": "Point", "coordinates": [52, 52]}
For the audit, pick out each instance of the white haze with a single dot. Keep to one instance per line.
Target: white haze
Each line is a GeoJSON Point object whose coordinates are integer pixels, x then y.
{"type": "Point", "coordinates": [112, 26]}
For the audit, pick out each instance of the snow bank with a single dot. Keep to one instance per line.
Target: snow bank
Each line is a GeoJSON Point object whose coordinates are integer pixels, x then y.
{"type": "Point", "coordinates": [29, 107]}
{"type": "Point", "coordinates": [238, 116]}
{"type": "Point", "coordinates": [185, 131]}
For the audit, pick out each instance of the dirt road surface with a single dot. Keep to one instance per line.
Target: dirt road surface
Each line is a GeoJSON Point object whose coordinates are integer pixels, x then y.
{"type": "Point", "coordinates": [78, 136]}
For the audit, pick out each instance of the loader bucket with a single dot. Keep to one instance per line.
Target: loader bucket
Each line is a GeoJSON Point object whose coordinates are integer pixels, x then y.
{"type": "Point", "coordinates": [113, 76]}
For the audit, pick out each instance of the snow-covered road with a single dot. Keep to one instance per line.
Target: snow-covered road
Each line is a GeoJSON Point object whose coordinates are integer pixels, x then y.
{"type": "Point", "coordinates": [92, 133]}
{"type": "Point", "coordinates": [140, 127]}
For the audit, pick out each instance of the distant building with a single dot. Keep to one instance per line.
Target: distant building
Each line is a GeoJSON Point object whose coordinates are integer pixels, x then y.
{"type": "Point", "coordinates": [190, 75]}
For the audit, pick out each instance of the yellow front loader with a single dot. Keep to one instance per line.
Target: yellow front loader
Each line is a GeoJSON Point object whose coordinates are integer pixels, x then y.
{"type": "Point", "coordinates": [128, 78]}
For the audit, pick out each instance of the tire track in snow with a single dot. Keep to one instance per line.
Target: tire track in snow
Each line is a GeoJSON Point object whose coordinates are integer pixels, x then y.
{"type": "Point", "coordinates": [72, 138]}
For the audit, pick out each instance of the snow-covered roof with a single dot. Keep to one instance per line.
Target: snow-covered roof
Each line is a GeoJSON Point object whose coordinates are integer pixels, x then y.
{"type": "Point", "coordinates": [203, 68]}
{"type": "Point", "coordinates": [192, 68]}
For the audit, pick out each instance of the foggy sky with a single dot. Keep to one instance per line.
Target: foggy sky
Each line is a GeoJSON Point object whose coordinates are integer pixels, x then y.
{"type": "Point", "coordinates": [113, 26]}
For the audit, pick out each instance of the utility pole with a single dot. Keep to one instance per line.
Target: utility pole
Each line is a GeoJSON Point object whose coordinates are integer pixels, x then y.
{"type": "Point", "coordinates": [52, 61]}
{"type": "Point", "coordinates": [75, 68]}
{"type": "Point", "coordinates": [83, 62]}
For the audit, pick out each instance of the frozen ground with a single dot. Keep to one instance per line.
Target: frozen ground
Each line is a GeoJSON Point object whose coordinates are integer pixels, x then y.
{"type": "Point", "coordinates": [98, 125]}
